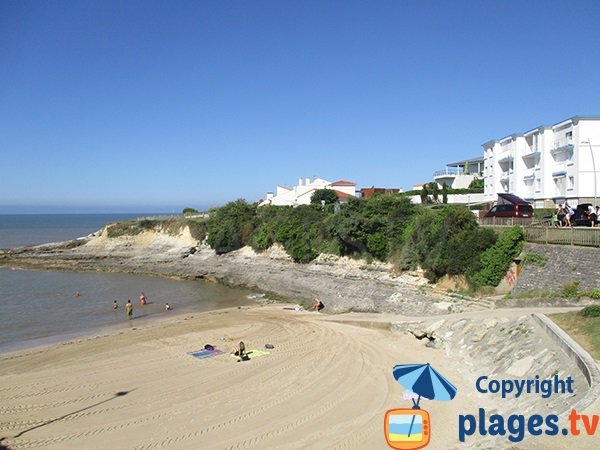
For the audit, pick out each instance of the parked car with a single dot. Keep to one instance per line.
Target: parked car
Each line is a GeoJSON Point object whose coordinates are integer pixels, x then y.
{"type": "Point", "coordinates": [524, 210]}
{"type": "Point", "coordinates": [582, 217]}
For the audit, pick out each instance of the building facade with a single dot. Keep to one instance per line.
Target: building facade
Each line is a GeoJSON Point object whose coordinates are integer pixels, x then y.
{"type": "Point", "coordinates": [547, 165]}
{"type": "Point", "coordinates": [303, 191]}
{"type": "Point", "coordinates": [460, 174]}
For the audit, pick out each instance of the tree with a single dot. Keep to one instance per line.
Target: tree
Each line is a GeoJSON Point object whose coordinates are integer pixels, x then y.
{"type": "Point", "coordinates": [434, 191]}
{"type": "Point", "coordinates": [190, 211]}
{"type": "Point", "coordinates": [477, 184]}
{"type": "Point", "coordinates": [327, 195]}
{"type": "Point", "coordinates": [444, 193]}
{"type": "Point", "coordinates": [424, 195]}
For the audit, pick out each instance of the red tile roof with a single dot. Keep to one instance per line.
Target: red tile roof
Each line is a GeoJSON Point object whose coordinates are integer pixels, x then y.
{"type": "Point", "coordinates": [343, 183]}
{"type": "Point", "coordinates": [341, 194]}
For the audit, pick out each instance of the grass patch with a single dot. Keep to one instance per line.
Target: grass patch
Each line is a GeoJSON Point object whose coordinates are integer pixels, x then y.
{"type": "Point", "coordinates": [585, 330]}
{"type": "Point", "coordinates": [173, 226]}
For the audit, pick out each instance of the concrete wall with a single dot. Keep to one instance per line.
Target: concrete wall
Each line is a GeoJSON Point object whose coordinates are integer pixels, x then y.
{"type": "Point", "coordinates": [565, 264]}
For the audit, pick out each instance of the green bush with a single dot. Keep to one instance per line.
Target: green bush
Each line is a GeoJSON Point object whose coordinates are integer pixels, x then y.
{"type": "Point", "coordinates": [541, 213]}
{"type": "Point", "coordinates": [386, 227]}
{"type": "Point", "coordinates": [198, 228]}
{"type": "Point", "coordinates": [496, 260]}
{"type": "Point", "coordinates": [377, 244]}
{"type": "Point", "coordinates": [190, 211]}
{"type": "Point", "coordinates": [476, 185]}
{"type": "Point", "coordinates": [590, 311]}
{"type": "Point", "coordinates": [595, 294]}
{"type": "Point", "coordinates": [534, 259]}
{"type": "Point", "coordinates": [571, 289]}
{"type": "Point", "coordinates": [230, 227]}
{"type": "Point", "coordinates": [128, 228]}
{"type": "Point", "coordinates": [445, 241]}
{"type": "Point", "coordinates": [262, 238]}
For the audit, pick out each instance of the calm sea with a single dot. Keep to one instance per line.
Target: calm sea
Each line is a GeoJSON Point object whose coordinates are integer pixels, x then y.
{"type": "Point", "coordinates": [41, 307]}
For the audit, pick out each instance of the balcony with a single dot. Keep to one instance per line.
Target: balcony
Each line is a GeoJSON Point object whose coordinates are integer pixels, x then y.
{"type": "Point", "coordinates": [559, 170]}
{"type": "Point", "coordinates": [449, 172]}
{"type": "Point", "coordinates": [505, 158]}
{"type": "Point", "coordinates": [529, 174]}
{"type": "Point", "coordinates": [563, 145]}
{"type": "Point", "coordinates": [531, 155]}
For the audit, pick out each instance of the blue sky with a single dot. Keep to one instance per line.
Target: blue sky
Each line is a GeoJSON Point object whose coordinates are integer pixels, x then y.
{"type": "Point", "coordinates": [156, 105]}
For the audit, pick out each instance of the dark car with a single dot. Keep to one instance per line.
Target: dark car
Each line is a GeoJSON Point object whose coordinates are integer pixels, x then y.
{"type": "Point", "coordinates": [511, 210]}
{"type": "Point", "coordinates": [582, 216]}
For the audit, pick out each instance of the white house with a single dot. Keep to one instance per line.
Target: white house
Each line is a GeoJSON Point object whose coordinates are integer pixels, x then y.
{"type": "Point", "coordinates": [302, 193]}
{"type": "Point", "coordinates": [546, 165]}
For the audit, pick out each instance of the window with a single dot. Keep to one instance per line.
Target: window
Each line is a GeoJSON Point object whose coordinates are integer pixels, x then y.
{"type": "Point", "coordinates": [571, 183]}
{"type": "Point", "coordinates": [538, 185]}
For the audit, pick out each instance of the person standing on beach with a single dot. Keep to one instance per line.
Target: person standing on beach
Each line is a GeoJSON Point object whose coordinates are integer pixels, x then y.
{"type": "Point", "coordinates": [143, 299]}
{"type": "Point", "coordinates": [115, 305]}
{"type": "Point", "coordinates": [129, 309]}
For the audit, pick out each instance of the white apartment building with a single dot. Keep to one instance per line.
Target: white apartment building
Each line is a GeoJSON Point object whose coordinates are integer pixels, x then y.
{"type": "Point", "coordinates": [302, 193]}
{"type": "Point", "coordinates": [547, 165]}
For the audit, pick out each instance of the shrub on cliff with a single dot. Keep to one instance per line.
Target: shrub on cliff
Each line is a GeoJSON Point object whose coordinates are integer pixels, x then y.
{"type": "Point", "coordinates": [373, 227]}
{"type": "Point", "coordinates": [444, 241]}
{"type": "Point", "coordinates": [231, 226]}
{"type": "Point", "coordinates": [300, 230]}
{"type": "Point", "coordinates": [198, 228]}
{"type": "Point", "coordinates": [496, 260]}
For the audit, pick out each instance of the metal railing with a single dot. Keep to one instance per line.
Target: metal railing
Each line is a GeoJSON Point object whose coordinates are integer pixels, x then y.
{"type": "Point", "coordinates": [449, 171]}
{"type": "Point", "coordinates": [505, 221]}
{"type": "Point", "coordinates": [563, 142]}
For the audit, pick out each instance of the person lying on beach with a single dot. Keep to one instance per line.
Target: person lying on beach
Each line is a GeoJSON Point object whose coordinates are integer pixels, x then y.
{"type": "Point", "coordinates": [241, 352]}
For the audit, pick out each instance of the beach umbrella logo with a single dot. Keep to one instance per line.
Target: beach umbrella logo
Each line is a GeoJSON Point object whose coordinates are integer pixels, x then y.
{"type": "Point", "coordinates": [410, 428]}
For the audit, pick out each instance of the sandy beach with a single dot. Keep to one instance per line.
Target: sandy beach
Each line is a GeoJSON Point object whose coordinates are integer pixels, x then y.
{"type": "Point", "coordinates": [324, 385]}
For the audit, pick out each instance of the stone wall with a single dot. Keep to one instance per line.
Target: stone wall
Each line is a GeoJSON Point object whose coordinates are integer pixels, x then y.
{"type": "Point", "coordinates": [565, 264]}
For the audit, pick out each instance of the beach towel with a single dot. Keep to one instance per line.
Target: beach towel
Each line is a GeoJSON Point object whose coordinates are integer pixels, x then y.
{"type": "Point", "coordinates": [203, 354]}
{"type": "Point", "coordinates": [254, 353]}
